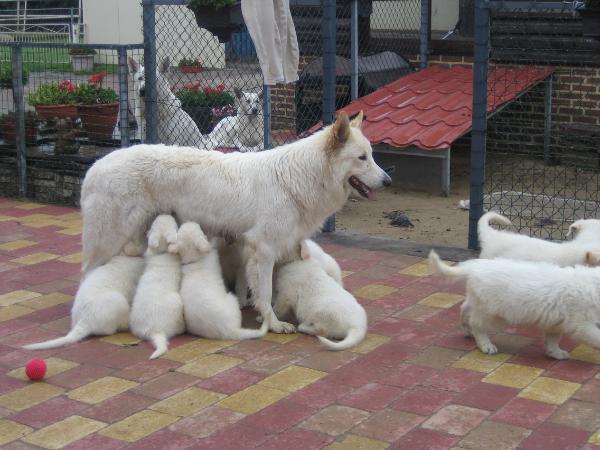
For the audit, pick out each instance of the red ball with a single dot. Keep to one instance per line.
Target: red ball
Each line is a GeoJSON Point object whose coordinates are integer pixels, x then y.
{"type": "Point", "coordinates": [36, 369]}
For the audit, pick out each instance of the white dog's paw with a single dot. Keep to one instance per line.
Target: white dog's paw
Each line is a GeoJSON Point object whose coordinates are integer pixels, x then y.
{"type": "Point", "coordinates": [558, 353]}
{"type": "Point", "coordinates": [282, 327]}
{"type": "Point", "coordinates": [488, 348]}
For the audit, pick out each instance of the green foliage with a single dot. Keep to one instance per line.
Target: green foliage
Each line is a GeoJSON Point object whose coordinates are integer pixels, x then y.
{"type": "Point", "coordinates": [62, 93]}
{"type": "Point", "coordinates": [592, 4]}
{"type": "Point", "coordinates": [81, 51]}
{"type": "Point", "coordinates": [206, 97]}
{"type": "Point", "coordinates": [217, 4]}
{"type": "Point", "coordinates": [31, 118]}
{"type": "Point", "coordinates": [88, 94]}
{"type": "Point", "coordinates": [189, 62]}
{"type": "Point", "coordinates": [6, 75]}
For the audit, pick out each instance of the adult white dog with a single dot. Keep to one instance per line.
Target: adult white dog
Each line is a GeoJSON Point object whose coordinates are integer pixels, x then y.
{"type": "Point", "coordinates": [272, 199]}
{"type": "Point", "coordinates": [210, 311]}
{"type": "Point", "coordinates": [102, 302]}
{"type": "Point", "coordinates": [157, 311]}
{"type": "Point", "coordinates": [500, 292]}
{"type": "Point", "coordinates": [505, 244]}
{"type": "Point", "coordinates": [174, 125]}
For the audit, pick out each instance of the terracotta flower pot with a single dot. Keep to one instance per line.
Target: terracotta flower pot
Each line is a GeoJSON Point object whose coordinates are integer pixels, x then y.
{"type": "Point", "coordinates": [49, 112]}
{"type": "Point", "coordinates": [221, 22]}
{"type": "Point", "coordinates": [99, 120]}
{"type": "Point", "coordinates": [9, 132]}
{"type": "Point", "coordinates": [190, 69]}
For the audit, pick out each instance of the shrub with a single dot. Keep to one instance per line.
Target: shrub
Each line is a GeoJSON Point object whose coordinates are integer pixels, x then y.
{"type": "Point", "coordinates": [81, 51]}
{"type": "Point", "coordinates": [92, 92]}
{"type": "Point", "coordinates": [62, 93]}
{"type": "Point", "coordinates": [205, 105]}
{"type": "Point", "coordinates": [6, 75]}
{"type": "Point", "coordinates": [189, 62]}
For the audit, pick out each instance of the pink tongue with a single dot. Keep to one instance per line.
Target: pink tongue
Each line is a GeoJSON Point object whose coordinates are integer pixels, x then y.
{"type": "Point", "coordinates": [369, 194]}
{"type": "Point", "coordinates": [363, 187]}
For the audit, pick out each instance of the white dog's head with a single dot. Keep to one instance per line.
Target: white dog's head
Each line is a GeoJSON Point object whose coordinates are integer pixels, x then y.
{"type": "Point", "coordinates": [249, 103]}
{"type": "Point", "coordinates": [191, 244]}
{"type": "Point", "coordinates": [351, 157]}
{"type": "Point", "coordinates": [139, 77]}
{"type": "Point", "coordinates": [162, 234]}
{"type": "Point", "coordinates": [585, 230]}
{"type": "Point", "coordinates": [162, 84]}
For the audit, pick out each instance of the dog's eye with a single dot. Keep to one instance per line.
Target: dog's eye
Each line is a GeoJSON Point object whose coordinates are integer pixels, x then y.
{"type": "Point", "coordinates": [363, 157]}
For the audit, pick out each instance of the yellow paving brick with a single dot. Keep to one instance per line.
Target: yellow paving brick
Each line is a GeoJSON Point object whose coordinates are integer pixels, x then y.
{"type": "Point", "coordinates": [209, 365]}
{"type": "Point", "coordinates": [595, 438]}
{"type": "Point", "coordinates": [29, 396]}
{"type": "Point", "coordinates": [13, 311]}
{"type": "Point", "coordinates": [16, 245]}
{"type": "Point", "coordinates": [34, 218]}
{"type": "Point", "coordinates": [28, 205]}
{"type": "Point", "coordinates": [124, 338]}
{"type": "Point", "coordinates": [281, 338]}
{"type": "Point", "coordinates": [252, 399]}
{"type": "Point", "coordinates": [45, 301]}
{"type": "Point", "coordinates": [292, 378]}
{"type": "Point", "coordinates": [4, 218]}
{"type": "Point", "coordinates": [370, 343]}
{"type": "Point", "coordinates": [374, 291]}
{"type": "Point", "coordinates": [54, 367]}
{"type": "Point", "coordinates": [346, 273]}
{"type": "Point", "coordinates": [13, 297]}
{"type": "Point", "coordinates": [480, 362]}
{"type": "Point", "coordinates": [70, 216]}
{"type": "Point", "coordinates": [35, 258]}
{"type": "Point", "coordinates": [353, 442]}
{"type": "Point", "coordinates": [74, 258]}
{"type": "Point", "coordinates": [11, 431]}
{"type": "Point", "coordinates": [101, 389]}
{"type": "Point", "coordinates": [71, 231]}
{"type": "Point", "coordinates": [194, 349]}
{"type": "Point", "coordinates": [421, 269]}
{"type": "Point", "coordinates": [42, 223]}
{"type": "Point", "coordinates": [62, 433]}
{"type": "Point", "coordinates": [586, 353]}
{"type": "Point", "coordinates": [549, 390]}
{"type": "Point", "coordinates": [139, 425]}
{"type": "Point", "coordinates": [513, 375]}
{"type": "Point", "coordinates": [442, 300]}
{"type": "Point", "coordinates": [188, 402]}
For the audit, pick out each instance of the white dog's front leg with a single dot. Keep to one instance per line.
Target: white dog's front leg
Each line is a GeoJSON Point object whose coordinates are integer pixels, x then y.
{"type": "Point", "coordinates": [553, 350]}
{"type": "Point", "coordinates": [259, 273]}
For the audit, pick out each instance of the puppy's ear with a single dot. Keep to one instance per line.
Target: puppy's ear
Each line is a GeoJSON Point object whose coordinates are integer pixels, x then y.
{"type": "Point", "coordinates": [153, 240]}
{"type": "Point", "coordinates": [133, 64]}
{"type": "Point", "coordinates": [173, 248]}
{"type": "Point", "coordinates": [164, 65]}
{"type": "Point", "coordinates": [238, 93]}
{"type": "Point", "coordinates": [358, 120]}
{"type": "Point", "coordinates": [573, 229]}
{"type": "Point", "coordinates": [304, 250]}
{"type": "Point", "coordinates": [202, 244]}
{"type": "Point", "coordinates": [592, 259]}
{"type": "Point", "coordinates": [339, 131]}
{"type": "Point", "coordinates": [171, 237]}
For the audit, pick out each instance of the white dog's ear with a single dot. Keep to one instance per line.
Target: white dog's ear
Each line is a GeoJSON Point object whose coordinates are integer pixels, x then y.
{"type": "Point", "coordinates": [304, 250]}
{"type": "Point", "coordinates": [357, 120]}
{"type": "Point", "coordinates": [340, 131]}
{"type": "Point", "coordinates": [133, 64]}
{"type": "Point", "coordinates": [238, 93]}
{"type": "Point", "coordinates": [164, 65]}
{"type": "Point", "coordinates": [592, 259]}
{"type": "Point", "coordinates": [573, 229]}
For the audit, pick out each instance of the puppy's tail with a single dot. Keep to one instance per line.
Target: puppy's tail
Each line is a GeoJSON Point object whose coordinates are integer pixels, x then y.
{"type": "Point", "coordinates": [75, 335]}
{"type": "Point", "coordinates": [354, 337]}
{"type": "Point", "coordinates": [248, 333]}
{"type": "Point", "coordinates": [483, 226]}
{"type": "Point", "coordinates": [160, 343]}
{"type": "Point", "coordinates": [439, 266]}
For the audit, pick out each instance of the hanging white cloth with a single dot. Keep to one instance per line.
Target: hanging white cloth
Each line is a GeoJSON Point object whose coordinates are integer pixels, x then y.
{"type": "Point", "coordinates": [272, 31]}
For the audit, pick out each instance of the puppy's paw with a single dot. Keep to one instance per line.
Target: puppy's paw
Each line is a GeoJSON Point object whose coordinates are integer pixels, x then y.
{"type": "Point", "coordinates": [489, 348]}
{"type": "Point", "coordinates": [282, 327]}
{"type": "Point", "coordinates": [558, 353]}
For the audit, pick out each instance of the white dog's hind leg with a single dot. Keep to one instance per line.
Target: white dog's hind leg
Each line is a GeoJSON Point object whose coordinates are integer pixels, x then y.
{"type": "Point", "coordinates": [553, 350]}
{"type": "Point", "coordinates": [308, 328]}
{"type": "Point", "coordinates": [479, 326]}
{"type": "Point", "coordinates": [465, 311]}
{"type": "Point", "coordinates": [589, 334]}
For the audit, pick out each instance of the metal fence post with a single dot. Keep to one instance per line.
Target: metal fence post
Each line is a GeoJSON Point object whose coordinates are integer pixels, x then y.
{"type": "Point", "coordinates": [478, 135]}
{"type": "Point", "coordinates": [329, 80]}
{"type": "Point", "coordinates": [123, 97]}
{"type": "Point", "coordinates": [425, 32]}
{"type": "Point", "coordinates": [19, 102]}
{"type": "Point", "coordinates": [268, 141]}
{"type": "Point", "coordinates": [151, 107]}
{"type": "Point", "coordinates": [354, 49]}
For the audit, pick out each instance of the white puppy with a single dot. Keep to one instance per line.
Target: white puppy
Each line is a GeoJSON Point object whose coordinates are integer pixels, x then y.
{"type": "Point", "coordinates": [504, 244]}
{"type": "Point", "coordinates": [585, 230]}
{"type": "Point", "coordinates": [102, 301]}
{"type": "Point", "coordinates": [501, 292]}
{"type": "Point", "coordinates": [157, 312]}
{"type": "Point", "coordinates": [321, 305]}
{"type": "Point", "coordinates": [325, 260]}
{"type": "Point", "coordinates": [210, 311]}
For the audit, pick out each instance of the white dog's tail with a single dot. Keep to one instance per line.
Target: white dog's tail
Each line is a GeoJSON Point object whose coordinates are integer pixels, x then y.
{"type": "Point", "coordinates": [249, 333]}
{"type": "Point", "coordinates": [354, 337]}
{"type": "Point", "coordinates": [483, 226]}
{"type": "Point", "coordinates": [439, 266]}
{"type": "Point", "coordinates": [75, 335]}
{"type": "Point", "coordinates": [160, 343]}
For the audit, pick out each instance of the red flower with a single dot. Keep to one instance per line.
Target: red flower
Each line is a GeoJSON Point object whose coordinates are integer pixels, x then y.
{"type": "Point", "coordinates": [192, 86]}
{"type": "Point", "coordinates": [221, 87]}
{"type": "Point", "coordinates": [66, 85]}
{"type": "Point", "coordinates": [208, 90]}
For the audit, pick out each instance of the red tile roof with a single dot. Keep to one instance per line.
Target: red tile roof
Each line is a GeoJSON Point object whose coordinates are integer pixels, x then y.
{"type": "Point", "coordinates": [430, 109]}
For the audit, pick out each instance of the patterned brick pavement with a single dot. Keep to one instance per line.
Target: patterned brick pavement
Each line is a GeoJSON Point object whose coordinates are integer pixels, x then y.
{"type": "Point", "coordinates": [414, 383]}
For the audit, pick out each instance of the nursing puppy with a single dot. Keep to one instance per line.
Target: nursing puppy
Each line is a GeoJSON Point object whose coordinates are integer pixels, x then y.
{"type": "Point", "coordinates": [271, 200]}
{"type": "Point", "coordinates": [504, 244]}
{"type": "Point", "coordinates": [157, 312]}
{"type": "Point", "coordinates": [102, 302]}
{"type": "Point", "coordinates": [209, 310]}
{"type": "Point", "coordinates": [320, 304]}
{"type": "Point", "coordinates": [310, 248]}
{"type": "Point", "coordinates": [501, 292]}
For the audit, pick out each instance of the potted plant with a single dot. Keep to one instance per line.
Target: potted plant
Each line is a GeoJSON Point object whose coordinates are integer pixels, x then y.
{"type": "Point", "coordinates": [200, 102]}
{"type": "Point", "coordinates": [189, 66]}
{"type": "Point", "coordinates": [221, 17]}
{"type": "Point", "coordinates": [82, 59]}
{"type": "Point", "coordinates": [55, 100]}
{"type": "Point", "coordinates": [97, 107]}
{"type": "Point", "coordinates": [8, 125]}
{"type": "Point", "coordinates": [6, 81]}
{"type": "Point", "coordinates": [590, 17]}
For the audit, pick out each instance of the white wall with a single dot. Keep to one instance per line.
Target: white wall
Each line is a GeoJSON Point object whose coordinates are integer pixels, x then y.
{"type": "Point", "coordinates": [406, 15]}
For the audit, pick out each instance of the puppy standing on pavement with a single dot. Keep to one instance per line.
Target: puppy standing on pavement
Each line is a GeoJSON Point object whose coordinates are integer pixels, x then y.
{"type": "Point", "coordinates": [501, 292]}
{"type": "Point", "coordinates": [210, 311]}
{"type": "Point", "coordinates": [504, 244]}
{"type": "Point", "coordinates": [157, 312]}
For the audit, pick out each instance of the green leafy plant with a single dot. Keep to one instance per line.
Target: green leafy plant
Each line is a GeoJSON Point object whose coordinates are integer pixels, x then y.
{"type": "Point", "coordinates": [92, 92]}
{"type": "Point", "coordinates": [194, 95]}
{"type": "Point", "coordinates": [81, 51]}
{"type": "Point", "coordinates": [185, 62]}
{"type": "Point", "coordinates": [217, 4]}
{"type": "Point", "coordinates": [31, 118]}
{"type": "Point", "coordinates": [6, 75]}
{"type": "Point", "coordinates": [62, 93]}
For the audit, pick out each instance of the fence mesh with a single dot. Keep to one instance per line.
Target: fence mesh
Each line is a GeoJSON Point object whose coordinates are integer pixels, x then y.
{"type": "Point", "coordinates": [542, 166]}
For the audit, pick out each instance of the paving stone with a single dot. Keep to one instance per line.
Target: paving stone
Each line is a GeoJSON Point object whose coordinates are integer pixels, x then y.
{"type": "Point", "coordinates": [209, 365]}
{"type": "Point", "coordinates": [524, 413]}
{"type": "Point", "coordinates": [513, 375]}
{"type": "Point", "coordinates": [100, 390]}
{"type": "Point", "coordinates": [579, 415]}
{"type": "Point", "coordinates": [486, 396]}
{"type": "Point", "coordinates": [550, 436]}
{"type": "Point", "coordinates": [388, 425]}
{"type": "Point", "coordinates": [371, 397]}
{"type": "Point", "coordinates": [28, 396]}
{"type": "Point", "coordinates": [352, 442]}
{"type": "Point", "coordinates": [138, 426]}
{"type": "Point", "coordinates": [498, 436]}
{"type": "Point", "coordinates": [335, 420]}
{"type": "Point", "coordinates": [11, 431]}
{"type": "Point", "coordinates": [206, 421]}
{"type": "Point", "coordinates": [187, 402]}
{"type": "Point", "coordinates": [252, 399]}
{"type": "Point", "coordinates": [549, 390]}
{"type": "Point", "coordinates": [423, 400]}
{"type": "Point", "coordinates": [421, 439]}
{"type": "Point", "coordinates": [436, 357]}
{"type": "Point", "coordinates": [307, 440]}
{"type": "Point", "coordinates": [292, 378]}
{"type": "Point", "coordinates": [455, 419]}
{"type": "Point", "coordinates": [61, 433]}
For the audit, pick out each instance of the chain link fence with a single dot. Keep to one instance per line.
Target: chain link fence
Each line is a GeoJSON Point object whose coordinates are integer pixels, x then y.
{"type": "Point", "coordinates": [542, 163]}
